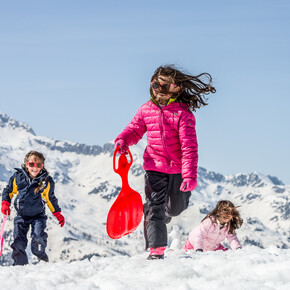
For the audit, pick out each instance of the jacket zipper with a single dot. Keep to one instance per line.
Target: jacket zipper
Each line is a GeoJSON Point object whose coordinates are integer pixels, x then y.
{"type": "Point", "coordinates": [219, 234]}
{"type": "Point", "coordinates": [161, 126]}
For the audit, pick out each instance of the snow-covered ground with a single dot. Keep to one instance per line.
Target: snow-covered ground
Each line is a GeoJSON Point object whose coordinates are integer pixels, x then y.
{"type": "Point", "coordinates": [248, 268]}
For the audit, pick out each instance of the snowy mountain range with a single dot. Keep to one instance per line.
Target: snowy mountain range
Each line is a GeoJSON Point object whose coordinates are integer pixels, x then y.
{"type": "Point", "coordinates": [86, 187]}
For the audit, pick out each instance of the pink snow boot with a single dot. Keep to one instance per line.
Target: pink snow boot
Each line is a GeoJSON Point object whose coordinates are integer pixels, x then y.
{"type": "Point", "coordinates": [156, 253]}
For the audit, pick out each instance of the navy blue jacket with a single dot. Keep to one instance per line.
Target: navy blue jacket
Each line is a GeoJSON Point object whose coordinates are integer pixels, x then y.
{"type": "Point", "coordinates": [27, 203]}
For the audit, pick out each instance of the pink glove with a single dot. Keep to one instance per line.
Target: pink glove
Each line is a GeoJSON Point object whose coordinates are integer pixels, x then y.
{"type": "Point", "coordinates": [188, 184]}
{"type": "Point", "coordinates": [123, 146]}
{"type": "Point", "coordinates": [5, 208]}
{"type": "Point", "coordinates": [59, 217]}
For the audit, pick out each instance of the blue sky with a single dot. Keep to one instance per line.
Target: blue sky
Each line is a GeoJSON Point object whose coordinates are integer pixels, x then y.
{"type": "Point", "coordinates": [79, 70]}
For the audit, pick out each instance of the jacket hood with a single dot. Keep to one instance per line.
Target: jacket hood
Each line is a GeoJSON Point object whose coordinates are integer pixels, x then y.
{"type": "Point", "coordinates": [41, 176]}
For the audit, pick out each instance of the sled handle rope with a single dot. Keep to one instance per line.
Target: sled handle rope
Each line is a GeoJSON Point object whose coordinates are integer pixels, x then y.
{"type": "Point", "coordinates": [5, 217]}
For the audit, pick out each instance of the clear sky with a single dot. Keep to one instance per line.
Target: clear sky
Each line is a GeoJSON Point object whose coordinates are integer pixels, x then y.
{"type": "Point", "coordinates": [79, 70]}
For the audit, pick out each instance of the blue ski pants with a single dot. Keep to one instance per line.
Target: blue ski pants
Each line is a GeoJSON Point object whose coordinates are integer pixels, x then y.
{"type": "Point", "coordinates": [38, 238]}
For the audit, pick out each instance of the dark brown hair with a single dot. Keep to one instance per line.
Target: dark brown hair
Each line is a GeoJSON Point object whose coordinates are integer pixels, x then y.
{"type": "Point", "coordinates": [41, 157]}
{"type": "Point", "coordinates": [193, 88]}
{"type": "Point", "coordinates": [236, 222]}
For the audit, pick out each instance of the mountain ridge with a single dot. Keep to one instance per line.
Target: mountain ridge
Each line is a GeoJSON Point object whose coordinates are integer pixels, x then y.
{"type": "Point", "coordinates": [86, 187]}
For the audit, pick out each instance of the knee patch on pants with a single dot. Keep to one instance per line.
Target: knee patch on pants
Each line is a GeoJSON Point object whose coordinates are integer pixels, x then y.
{"type": "Point", "coordinates": [38, 245]}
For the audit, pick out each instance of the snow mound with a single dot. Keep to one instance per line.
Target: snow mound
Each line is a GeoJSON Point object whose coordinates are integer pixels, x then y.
{"type": "Point", "coordinates": [248, 268]}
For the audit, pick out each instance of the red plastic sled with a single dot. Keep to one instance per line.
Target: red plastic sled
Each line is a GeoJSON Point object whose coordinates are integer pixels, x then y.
{"type": "Point", "coordinates": [126, 212]}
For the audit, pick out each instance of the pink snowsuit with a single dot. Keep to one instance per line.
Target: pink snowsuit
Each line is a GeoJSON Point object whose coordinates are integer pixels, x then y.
{"type": "Point", "coordinates": [208, 237]}
{"type": "Point", "coordinates": [171, 138]}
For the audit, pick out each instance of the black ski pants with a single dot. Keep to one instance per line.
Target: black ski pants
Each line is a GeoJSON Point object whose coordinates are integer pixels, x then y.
{"type": "Point", "coordinates": [38, 238]}
{"type": "Point", "coordinates": [163, 201]}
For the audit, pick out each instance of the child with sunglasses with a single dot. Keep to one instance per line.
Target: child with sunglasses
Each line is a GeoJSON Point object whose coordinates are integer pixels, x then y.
{"type": "Point", "coordinates": [218, 225]}
{"type": "Point", "coordinates": [33, 188]}
{"type": "Point", "coordinates": [170, 158]}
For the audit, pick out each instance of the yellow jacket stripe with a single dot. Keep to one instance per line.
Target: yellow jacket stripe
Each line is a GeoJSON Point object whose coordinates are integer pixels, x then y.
{"type": "Point", "coordinates": [14, 189]}
{"type": "Point", "coordinates": [45, 197]}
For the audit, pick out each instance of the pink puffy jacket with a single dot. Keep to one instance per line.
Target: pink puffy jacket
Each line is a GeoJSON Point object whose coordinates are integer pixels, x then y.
{"type": "Point", "coordinates": [171, 138]}
{"type": "Point", "coordinates": [208, 236]}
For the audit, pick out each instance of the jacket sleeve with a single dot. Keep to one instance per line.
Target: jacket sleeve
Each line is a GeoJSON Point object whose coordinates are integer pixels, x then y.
{"type": "Point", "coordinates": [233, 241]}
{"type": "Point", "coordinates": [49, 197]}
{"type": "Point", "coordinates": [198, 234]}
{"type": "Point", "coordinates": [134, 131]}
{"type": "Point", "coordinates": [10, 189]}
{"type": "Point", "coordinates": [189, 146]}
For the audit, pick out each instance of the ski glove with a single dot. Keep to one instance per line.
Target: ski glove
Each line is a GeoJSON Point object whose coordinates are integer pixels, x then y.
{"type": "Point", "coordinates": [188, 184]}
{"type": "Point", "coordinates": [59, 217]}
{"type": "Point", "coordinates": [5, 208]}
{"type": "Point", "coordinates": [123, 146]}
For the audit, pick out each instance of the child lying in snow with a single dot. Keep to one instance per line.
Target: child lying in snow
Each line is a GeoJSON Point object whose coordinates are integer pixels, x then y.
{"type": "Point", "coordinates": [219, 224]}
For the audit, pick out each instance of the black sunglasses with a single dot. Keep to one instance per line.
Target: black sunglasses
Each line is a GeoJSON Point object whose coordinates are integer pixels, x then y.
{"type": "Point", "coordinates": [166, 86]}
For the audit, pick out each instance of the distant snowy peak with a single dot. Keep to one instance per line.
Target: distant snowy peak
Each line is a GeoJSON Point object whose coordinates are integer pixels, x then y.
{"type": "Point", "coordinates": [52, 144]}
{"type": "Point", "coordinates": [6, 121]}
{"type": "Point", "coordinates": [65, 146]}
{"type": "Point", "coordinates": [253, 179]}
{"type": "Point", "coordinates": [205, 176]}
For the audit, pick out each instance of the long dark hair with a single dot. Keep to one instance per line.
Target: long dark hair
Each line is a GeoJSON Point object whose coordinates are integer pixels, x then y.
{"type": "Point", "coordinates": [193, 88]}
{"type": "Point", "coordinates": [236, 222]}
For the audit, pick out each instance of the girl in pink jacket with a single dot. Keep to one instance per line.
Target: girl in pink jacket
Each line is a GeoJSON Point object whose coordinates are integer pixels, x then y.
{"type": "Point", "coordinates": [219, 224]}
{"type": "Point", "coordinates": [170, 158]}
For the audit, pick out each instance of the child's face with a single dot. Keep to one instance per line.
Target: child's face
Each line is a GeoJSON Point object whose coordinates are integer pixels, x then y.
{"type": "Point", "coordinates": [33, 166]}
{"type": "Point", "coordinates": [225, 215]}
{"type": "Point", "coordinates": [162, 95]}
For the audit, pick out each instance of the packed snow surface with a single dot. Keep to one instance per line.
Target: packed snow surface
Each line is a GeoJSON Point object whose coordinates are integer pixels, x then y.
{"type": "Point", "coordinates": [248, 268]}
